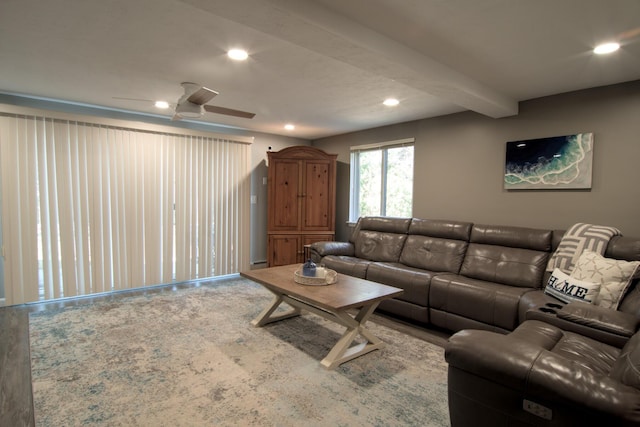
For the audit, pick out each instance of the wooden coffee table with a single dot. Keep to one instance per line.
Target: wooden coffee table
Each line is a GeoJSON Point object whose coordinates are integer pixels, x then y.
{"type": "Point", "coordinates": [333, 302]}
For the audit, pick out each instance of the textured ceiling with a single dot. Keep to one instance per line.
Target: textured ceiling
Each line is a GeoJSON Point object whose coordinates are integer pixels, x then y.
{"type": "Point", "coordinates": [324, 65]}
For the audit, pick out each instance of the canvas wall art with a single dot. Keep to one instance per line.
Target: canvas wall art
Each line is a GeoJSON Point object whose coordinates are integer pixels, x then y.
{"type": "Point", "coordinates": [559, 162]}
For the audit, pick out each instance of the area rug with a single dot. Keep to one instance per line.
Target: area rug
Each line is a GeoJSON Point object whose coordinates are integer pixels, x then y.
{"type": "Point", "coordinates": [190, 357]}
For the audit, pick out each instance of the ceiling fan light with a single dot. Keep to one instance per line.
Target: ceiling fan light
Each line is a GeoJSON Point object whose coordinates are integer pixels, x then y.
{"type": "Point", "coordinates": [189, 110]}
{"type": "Point", "coordinates": [605, 48]}
{"type": "Point", "coordinates": [238, 54]}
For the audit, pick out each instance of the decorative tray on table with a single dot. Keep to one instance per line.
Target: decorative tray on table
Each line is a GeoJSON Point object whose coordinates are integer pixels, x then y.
{"type": "Point", "coordinates": [324, 276]}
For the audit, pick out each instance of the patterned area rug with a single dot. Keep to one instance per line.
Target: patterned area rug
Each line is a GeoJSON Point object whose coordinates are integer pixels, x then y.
{"type": "Point", "coordinates": [191, 358]}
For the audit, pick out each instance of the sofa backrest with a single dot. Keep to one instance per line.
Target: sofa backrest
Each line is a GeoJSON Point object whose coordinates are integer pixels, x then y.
{"type": "Point", "coordinates": [514, 256]}
{"type": "Point", "coordinates": [625, 248]}
{"type": "Point", "coordinates": [628, 249]}
{"type": "Point", "coordinates": [380, 238]}
{"type": "Point", "coordinates": [625, 368]}
{"type": "Point", "coordinates": [436, 245]}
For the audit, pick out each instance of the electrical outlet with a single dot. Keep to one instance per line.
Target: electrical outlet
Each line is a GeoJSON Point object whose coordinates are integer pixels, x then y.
{"type": "Point", "coordinates": [537, 409]}
{"type": "Point", "coordinates": [254, 200]}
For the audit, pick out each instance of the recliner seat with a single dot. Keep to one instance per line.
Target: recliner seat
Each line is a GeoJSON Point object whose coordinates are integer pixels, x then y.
{"type": "Point", "coordinates": [541, 375]}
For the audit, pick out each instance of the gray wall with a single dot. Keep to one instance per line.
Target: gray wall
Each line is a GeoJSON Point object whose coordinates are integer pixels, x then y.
{"type": "Point", "coordinates": [459, 162]}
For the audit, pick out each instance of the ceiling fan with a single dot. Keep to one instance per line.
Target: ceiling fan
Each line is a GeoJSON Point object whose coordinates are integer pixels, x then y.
{"type": "Point", "coordinates": [193, 103]}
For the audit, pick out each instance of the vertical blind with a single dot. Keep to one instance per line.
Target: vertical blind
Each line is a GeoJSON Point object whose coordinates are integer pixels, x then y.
{"type": "Point", "coordinates": [90, 208]}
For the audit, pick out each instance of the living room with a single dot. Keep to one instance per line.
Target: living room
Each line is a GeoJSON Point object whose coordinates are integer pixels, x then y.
{"type": "Point", "coordinates": [459, 154]}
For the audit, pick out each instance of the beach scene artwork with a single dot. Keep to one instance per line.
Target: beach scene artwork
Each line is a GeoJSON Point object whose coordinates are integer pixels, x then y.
{"type": "Point", "coordinates": [554, 163]}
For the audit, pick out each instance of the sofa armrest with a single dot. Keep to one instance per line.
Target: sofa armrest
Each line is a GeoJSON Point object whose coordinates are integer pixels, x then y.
{"type": "Point", "coordinates": [604, 319]}
{"type": "Point", "coordinates": [323, 249]}
{"type": "Point", "coordinates": [601, 324]}
{"type": "Point", "coordinates": [493, 356]}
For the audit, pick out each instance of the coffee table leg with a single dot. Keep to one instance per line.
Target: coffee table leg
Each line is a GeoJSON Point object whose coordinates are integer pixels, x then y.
{"type": "Point", "coordinates": [267, 315]}
{"type": "Point", "coordinates": [342, 352]}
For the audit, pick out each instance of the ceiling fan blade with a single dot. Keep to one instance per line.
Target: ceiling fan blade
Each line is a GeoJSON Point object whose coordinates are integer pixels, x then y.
{"type": "Point", "coordinates": [228, 112]}
{"type": "Point", "coordinates": [202, 96]}
{"type": "Point", "coordinates": [131, 99]}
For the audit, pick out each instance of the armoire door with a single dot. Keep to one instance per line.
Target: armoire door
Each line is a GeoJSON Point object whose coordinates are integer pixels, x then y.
{"type": "Point", "coordinates": [284, 204]}
{"type": "Point", "coordinates": [317, 206]}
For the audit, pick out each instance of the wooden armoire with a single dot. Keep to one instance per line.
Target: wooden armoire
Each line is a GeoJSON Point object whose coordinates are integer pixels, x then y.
{"type": "Point", "coordinates": [301, 199]}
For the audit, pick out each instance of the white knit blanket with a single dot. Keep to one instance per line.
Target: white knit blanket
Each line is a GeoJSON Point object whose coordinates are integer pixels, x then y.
{"type": "Point", "coordinates": [579, 237]}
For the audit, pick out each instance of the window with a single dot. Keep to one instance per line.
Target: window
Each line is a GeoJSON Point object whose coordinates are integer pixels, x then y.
{"type": "Point", "coordinates": [382, 179]}
{"type": "Point", "coordinates": [90, 208]}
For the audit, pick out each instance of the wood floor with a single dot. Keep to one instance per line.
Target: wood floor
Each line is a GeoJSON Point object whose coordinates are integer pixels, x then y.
{"type": "Point", "coordinates": [16, 404]}
{"type": "Point", "coordinates": [16, 401]}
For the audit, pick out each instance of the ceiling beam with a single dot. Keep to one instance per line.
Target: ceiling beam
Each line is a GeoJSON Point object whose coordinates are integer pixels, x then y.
{"type": "Point", "coordinates": [314, 27]}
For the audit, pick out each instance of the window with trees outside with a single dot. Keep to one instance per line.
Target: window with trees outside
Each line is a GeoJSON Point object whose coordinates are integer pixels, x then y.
{"type": "Point", "coordinates": [382, 179]}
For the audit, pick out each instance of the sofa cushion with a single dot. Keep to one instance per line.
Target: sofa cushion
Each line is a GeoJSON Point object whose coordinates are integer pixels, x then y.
{"type": "Point", "coordinates": [567, 288]}
{"type": "Point", "coordinates": [433, 253]}
{"type": "Point", "coordinates": [513, 237]}
{"type": "Point", "coordinates": [456, 230]}
{"type": "Point", "coordinates": [486, 302]}
{"type": "Point", "coordinates": [379, 246]}
{"type": "Point", "coordinates": [614, 276]}
{"type": "Point", "coordinates": [595, 355]}
{"type": "Point", "coordinates": [505, 265]}
{"type": "Point", "coordinates": [384, 224]}
{"type": "Point", "coordinates": [414, 281]}
{"type": "Point", "coordinates": [380, 223]}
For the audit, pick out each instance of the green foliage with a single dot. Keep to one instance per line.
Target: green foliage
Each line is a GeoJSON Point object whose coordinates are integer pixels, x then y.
{"type": "Point", "coordinates": [370, 182]}
{"type": "Point", "coordinates": [397, 193]}
{"type": "Point", "coordinates": [400, 182]}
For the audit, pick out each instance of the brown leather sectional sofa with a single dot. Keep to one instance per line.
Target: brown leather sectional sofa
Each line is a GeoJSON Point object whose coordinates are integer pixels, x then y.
{"type": "Point", "coordinates": [521, 357]}
{"type": "Point", "coordinates": [458, 275]}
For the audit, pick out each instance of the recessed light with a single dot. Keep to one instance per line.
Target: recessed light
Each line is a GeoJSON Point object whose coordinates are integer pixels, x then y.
{"type": "Point", "coordinates": [289, 126]}
{"type": "Point", "coordinates": [238, 54]}
{"type": "Point", "coordinates": [391, 102]}
{"type": "Point", "coordinates": [162, 104]}
{"type": "Point", "coordinates": [606, 48]}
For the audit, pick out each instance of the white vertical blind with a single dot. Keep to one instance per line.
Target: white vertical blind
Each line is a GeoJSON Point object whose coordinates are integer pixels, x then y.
{"type": "Point", "coordinates": [91, 208]}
